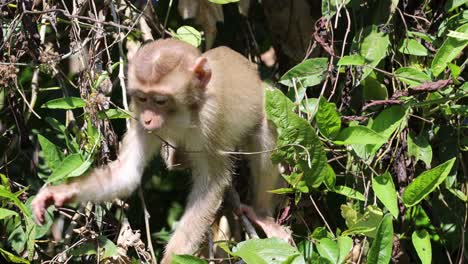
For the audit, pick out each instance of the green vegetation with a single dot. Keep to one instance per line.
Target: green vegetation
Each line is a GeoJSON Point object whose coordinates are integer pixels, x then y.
{"type": "Point", "coordinates": [368, 98]}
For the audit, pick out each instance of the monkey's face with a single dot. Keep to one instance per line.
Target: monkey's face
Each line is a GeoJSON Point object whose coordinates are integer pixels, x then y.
{"type": "Point", "coordinates": [153, 110]}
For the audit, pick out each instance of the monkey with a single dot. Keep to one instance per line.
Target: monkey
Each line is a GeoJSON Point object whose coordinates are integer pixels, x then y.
{"type": "Point", "coordinates": [206, 105]}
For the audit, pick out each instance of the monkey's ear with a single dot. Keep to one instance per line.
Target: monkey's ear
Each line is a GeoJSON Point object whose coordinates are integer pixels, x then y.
{"type": "Point", "coordinates": [202, 71]}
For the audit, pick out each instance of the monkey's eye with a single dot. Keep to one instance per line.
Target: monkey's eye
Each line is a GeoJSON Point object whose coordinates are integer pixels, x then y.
{"type": "Point", "coordinates": [161, 100]}
{"type": "Point", "coordinates": [141, 99]}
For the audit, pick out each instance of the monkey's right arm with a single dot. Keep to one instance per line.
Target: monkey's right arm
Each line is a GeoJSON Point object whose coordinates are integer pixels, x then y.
{"type": "Point", "coordinates": [118, 178]}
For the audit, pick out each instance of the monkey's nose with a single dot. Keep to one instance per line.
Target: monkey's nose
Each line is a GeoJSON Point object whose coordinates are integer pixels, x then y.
{"type": "Point", "coordinates": [148, 122]}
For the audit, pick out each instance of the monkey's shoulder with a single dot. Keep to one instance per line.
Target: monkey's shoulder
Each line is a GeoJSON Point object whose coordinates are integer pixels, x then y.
{"type": "Point", "coordinates": [227, 55]}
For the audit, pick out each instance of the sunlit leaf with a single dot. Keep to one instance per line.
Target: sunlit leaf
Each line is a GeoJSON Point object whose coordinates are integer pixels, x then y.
{"type": "Point", "coordinates": [384, 189]}
{"type": "Point", "coordinates": [190, 35]}
{"type": "Point", "coordinates": [349, 192]}
{"type": "Point", "coordinates": [267, 251]}
{"type": "Point", "coordinates": [381, 249]}
{"type": "Point", "coordinates": [412, 47]}
{"type": "Point", "coordinates": [358, 135]}
{"type": "Point", "coordinates": [309, 72]}
{"type": "Point", "coordinates": [68, 165]}
{"type": "Point", "coordinates": [426, 182]}
{"type": "Point", "coordinates": [411, 76]}
{"type": "Point", "coordinates": [65, 103]}
{"type": "Point", "coordinates": [422, 244]}
{"type": "Point", "coordinates": [449, 51]}
{"type": "Point", "coordinates": [328, 119]}
{"type": "Point", "coordinates": [328, 249]}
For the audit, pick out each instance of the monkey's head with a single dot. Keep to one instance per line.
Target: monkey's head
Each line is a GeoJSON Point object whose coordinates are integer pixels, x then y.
{"type": "Point", "coordinates": [167, 81]}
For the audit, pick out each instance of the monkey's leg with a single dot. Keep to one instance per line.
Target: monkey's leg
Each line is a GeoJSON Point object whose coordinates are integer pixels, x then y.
{"type": "Point", "coordinates": [266, 177]}
{"type": "Point", "coordinates": [211, 176]}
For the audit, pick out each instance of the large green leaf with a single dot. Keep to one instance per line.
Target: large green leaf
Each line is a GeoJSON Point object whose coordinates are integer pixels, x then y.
{"type": "Point", "coordinates": [419, 148]}
{"type": "Point", "coordinates": [345, 244]}
{"type": "Point", "coordinates": [297, 142]}
{"type": "Point", "coordinates": [381, 249]}
{"type": "Point", "coordinates": [354, 59]}
{"type": "Point", "coordinates": [51, 154]}
{"type": "Point", "coordinates": [189, 34]}
{"type": "Point", "coordinates": [6, 213]}
{"type": "Point", "coordinates": [422, 244]}
{"type": "Point", "coordinates": [371, 44]}
{"type": "Point", "coordinates": [426, 182]}
{"type": "Point", "coordinates": [349, 192]}
{"type": "Point", "coordinates": [411, 76]}
{"type": "Point", "coordinates": [328, 249]}
{"type": "Point", "coordinates": [11, 258]}
{"type": "Point", "coordinates": [68, 165]}
{"type": "Point", "coordinates": [449, 51]}
{"type": "Point", "coordinates": [65, 103]}
{"type": "Point", "coordinates": [364, 224]}
{"type": "Point", "coordinates": [360, 135]}
{"type": "Point", "coordinates": [328, 119]}
{"type": "Point", "coordinates": [384, 189]}
{"type": "Point", "coordinates": [309, 72]}
{"type": "Point", "coordinates": [412, 47]}
{"type": "Point", "coordinates": [267, 251]}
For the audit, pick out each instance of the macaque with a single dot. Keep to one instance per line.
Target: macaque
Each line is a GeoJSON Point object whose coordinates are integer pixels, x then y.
{"type": "Point", "coordinates": [206, 106]}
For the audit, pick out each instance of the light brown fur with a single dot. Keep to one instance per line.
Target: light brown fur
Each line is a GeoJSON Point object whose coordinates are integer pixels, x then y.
{"type": "Point", "coordinates": [203, 104]}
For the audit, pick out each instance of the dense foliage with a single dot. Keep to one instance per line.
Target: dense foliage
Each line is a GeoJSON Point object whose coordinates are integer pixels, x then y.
{"type": "Point", "coordinates": [368, 98]}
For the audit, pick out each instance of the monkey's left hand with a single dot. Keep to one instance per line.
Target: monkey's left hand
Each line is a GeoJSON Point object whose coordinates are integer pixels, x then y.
{"type": "Point", "coordinates": [56, 195]}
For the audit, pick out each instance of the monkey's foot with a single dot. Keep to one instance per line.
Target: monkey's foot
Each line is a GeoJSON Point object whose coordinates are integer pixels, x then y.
{"type": "Point", "coordinates": [49, 196]}
{"type": "Point", "coordinates": [268, 224]}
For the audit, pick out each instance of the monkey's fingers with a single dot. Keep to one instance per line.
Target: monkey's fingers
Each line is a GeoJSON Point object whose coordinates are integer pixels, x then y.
{"type": "Point", "coordinates": [40, 204]}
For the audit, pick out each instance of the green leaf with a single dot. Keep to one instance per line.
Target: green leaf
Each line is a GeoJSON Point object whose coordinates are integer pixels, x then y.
{"type": "Point", "coordinates": [329, 176]}
{"type": "Point", "coordinates": [355, 59]}
{"type": "Point", "coordinates": [329, 7]}
{"type": "Point", "coordinates": [412, 76]}
{"type": "Point", "coordinates": [114, 114]}
{"type": "Point", "coordinates": [359, 135]}
{"type": "Point", "coordinates": [5, 213]}
{"type": "Point", "coordinates": [328, 119]}
{"type": "Point", "coordinates": [186, 259]}
{"type": "Point", "coordinates": [11, 258]}
{"type": "Point", "coordinates": [297, 141]}
{"type": "Point", "coordinates": [345, 244]}
{"type": "Point", "coordinates": [65, 103]}
{"type": "Point", "coordinates": [452, 4]}
{"type": "Point", "coordinates": [81, 169]}
{"type": "Point", "coordinates": [190, 35]}
{"type": "Point", "coordinates": [372, 44]}
{"type": "Point", "coordinates": [309, 72]}
{"type": "Point", "coordinates": [384, 189]}
{"type": "Point", "coordinates": [419, 148]}
{"type": "Point", "coordinates": [267, 251]}
{"type": "Point", "coordinates": [426, 182]}
{"type": "Point", "coordinates": [448, 51]}
{"type": "Point", "coordinates": [9, 195]}
{"type": "Point", "coordinates": [109, 248]}
{"type": "Point", "coordinates": [328, 249]}
{"type": "Point", "coordinates": [68, 165]}
{"type": "Point", "coordinates": [459, 194]}
{"type": "Point", "coordinates": [222, 2]}
{"type": "Point", "coordinates": [349, 192]}
{"type": "Point", "coordinates": [422, 244]}
{"type": "Point", "coordinates": [52, 156]}
{"type": "Point", "coordinates": [363, 224]}
{"type": "Point", "coordinates": [412, 47]}
{"type": "Point", "coordinates": [381, 249]}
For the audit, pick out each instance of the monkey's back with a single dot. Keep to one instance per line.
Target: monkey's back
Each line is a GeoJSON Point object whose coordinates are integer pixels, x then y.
{"type": "Point", "coordinates": [236, 89]}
